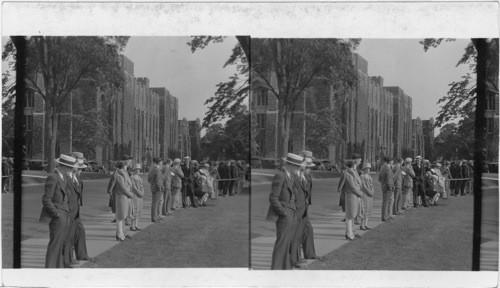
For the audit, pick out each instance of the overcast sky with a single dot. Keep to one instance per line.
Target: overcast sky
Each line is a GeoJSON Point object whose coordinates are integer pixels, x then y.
{"type": "Point", "coordinates": [424, 76]}
{"type": "Point", "coordinates": [191, 77]}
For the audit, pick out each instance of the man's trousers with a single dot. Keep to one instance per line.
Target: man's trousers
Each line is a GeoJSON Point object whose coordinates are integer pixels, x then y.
{"type": "Point", "coordinates": [58, 228]}
{"type": "Point", "coordinates": [285, 226]}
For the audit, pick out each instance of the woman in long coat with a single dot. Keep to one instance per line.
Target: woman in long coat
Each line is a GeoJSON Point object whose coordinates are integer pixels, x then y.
{"type": "Point", "coordinates": [122, 190]}
{"type": "Point", "coordinates": [352, 190]}
{"type": "Point", "coordinates": [137, 200]}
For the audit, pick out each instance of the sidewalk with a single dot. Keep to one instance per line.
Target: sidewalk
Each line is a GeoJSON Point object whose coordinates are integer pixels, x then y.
{"type": "Point", "coordinates": [100, 235]}
{"type": "Point", "coordinates": [329, 235]}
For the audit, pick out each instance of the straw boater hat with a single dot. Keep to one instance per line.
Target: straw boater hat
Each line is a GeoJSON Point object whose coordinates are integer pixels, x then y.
{"type": "Point", "coordinates": [177, 160]}
{"type": "Point", "coordinates": [80, 159]}
{"type": "Point", "coordinates": [293, 159]}
{"type": "Point", "coordinates": [137, 166]}
{"type": "Point", "coordinates": [367, 165]}
{"type": "Point", "coordinates": [309, 158]}
{"type": "Point", "coordinates": [418, 157]}
{"type": "Point", "coordinates": [68, 161]}
{"type": "Point", "coordinates": [408, 160]}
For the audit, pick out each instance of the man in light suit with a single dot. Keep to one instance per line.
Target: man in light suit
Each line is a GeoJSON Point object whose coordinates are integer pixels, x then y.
{"type": "Point", "coordinates": [282, 209]}
{"type": "Point", "coordinates": [386, 179]}
{"type": "Point", "coordinates": [55, 211]}
{"type": "Point", "coordinates": [155, 179]}
{"type": "Point", "coordinates": [167, 192]}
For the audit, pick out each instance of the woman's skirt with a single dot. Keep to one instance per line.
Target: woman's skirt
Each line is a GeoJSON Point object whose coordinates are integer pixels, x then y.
{"type": "Point", "coordinates": [122, 206]}
{"type": "Point", "coordinates": [366, 206]}
{"type": "Point", "coordinates": [136, 207]}
{"type": "Point", "coordinates": [351, 205]}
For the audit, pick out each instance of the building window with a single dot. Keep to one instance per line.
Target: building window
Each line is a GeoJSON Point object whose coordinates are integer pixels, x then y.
{"type": "Point", "coordinates": [30, 99]}
{"type": "Point", "coordinates": [262, 98]}
{"type": "Point", "coordinates": [490, 102]}
{"type": "Point", "coordinates": [261, 147]}
{"type": "Point", "coordinates": [490, 125]}
{"type": "Point", "coordinates": [261, 121]}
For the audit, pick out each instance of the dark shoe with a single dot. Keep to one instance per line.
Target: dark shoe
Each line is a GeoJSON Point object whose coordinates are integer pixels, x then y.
{"type": "Point", "coordinates": [367, 228]}
{"type": "Point", "coordinates": [138, 229]}
{"type": "Point", "coordinates": [133, 229]}
{"type": "Point", "coordinates": [128, 236]}
{"type": "Point", "coordinates": [87, 259]}
{"type": "Point", "coordinates": [343, 220]}
{"type": "Point", "coordinates": [357, 236]}
{"type": "Point", "coordinates": [362, 228]}
{"type": "Point", "coordinates": [127, 223]}
{"type": "Point", "coordinates": [350, 238]}
{"type": "Point", "coordinates": [319, 258]}
{"type": "Point", "coordinates": [120, 238]}
{"type": "Point", "coordinates": [113, 221]}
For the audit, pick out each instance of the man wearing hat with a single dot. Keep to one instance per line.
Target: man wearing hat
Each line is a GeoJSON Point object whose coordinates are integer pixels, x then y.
{"type": "Point", "coordinates": [167, 192]}
{"type": "Point", "coordinates": [76, 234]}
{"type": "Point", "coordinates": [386, 179]}
{"type": "Point", "coordinates": [418, 183]}
{"type": "Point", "coordinates": [188, 188]}
{"type": "Point", "coordinates": [55, 211]}
{"type": "Point", "coordinates": [177, 175]}
{"type": "Point", "coordinates": [287, 205]}
{"type": "Point", "coordinates": [408, 175]}
{"type": "Point", "coordinates": [398, 185]}
{"type": "Point", "coordinates": [155, 179]}
{"type": "Point", "coordinates": [307, 237]}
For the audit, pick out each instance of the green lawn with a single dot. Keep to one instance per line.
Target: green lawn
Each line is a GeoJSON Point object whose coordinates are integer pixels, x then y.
{"type": "Point", "coordinates": [214, 236]}
{"type": "Point", "coordinates": [434, 239]}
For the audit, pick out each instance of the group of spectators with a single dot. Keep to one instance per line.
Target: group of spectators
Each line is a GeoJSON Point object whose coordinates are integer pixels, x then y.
{"type": "Point", "coordinates": [175, 184]}
{"type": "Point", "coordinates": [405, 183]}
{"type": "Point", "coordinates": [7, 174]}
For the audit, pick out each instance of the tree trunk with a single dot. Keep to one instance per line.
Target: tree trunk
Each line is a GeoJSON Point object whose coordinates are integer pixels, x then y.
{"type": "Point", "coordinates": [284, 116]}
{"type": "Point", "coordinates": [479, 147]}
{"type": "Point", "coordinates": [48, 135]}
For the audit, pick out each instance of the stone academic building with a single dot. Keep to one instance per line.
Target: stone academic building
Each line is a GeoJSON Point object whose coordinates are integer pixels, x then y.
{"type": "Point", "coordinates": [377, 119]}
{"type": "Point", "coordinates": [143, 121]}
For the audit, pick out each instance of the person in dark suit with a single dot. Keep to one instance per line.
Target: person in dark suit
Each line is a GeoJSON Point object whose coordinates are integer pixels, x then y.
{"type": "Point", "coordinates": [456, 173]}
{"type": "Point", "coordinates": [224, 174]}
{"type": "Point", "coordinates": [156, 180]}
{"type": "Point", "coordinates": [76, 235]}
{"type": "Point", "coordinates": [283, 202]}
{"type": "Point", "coordinates": [232, 174]}
{"type": "Point", "coordinates": [308, 232]}
{"type": "Point", "coordinates": [55, 211]}
{"type": "Point", "coordinates": [188, 183]}
{"type": "Point", "coordinates": [464, 169]}
{"type": "Point", "coordinates": [418, 183]}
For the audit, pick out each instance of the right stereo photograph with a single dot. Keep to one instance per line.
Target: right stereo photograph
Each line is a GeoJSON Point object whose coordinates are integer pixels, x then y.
{"type": "Point", "coordinates": [374, 154]}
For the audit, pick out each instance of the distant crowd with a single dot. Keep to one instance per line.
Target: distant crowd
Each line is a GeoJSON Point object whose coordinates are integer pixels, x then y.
{"type": "Point", "coordinates": [175, 184]}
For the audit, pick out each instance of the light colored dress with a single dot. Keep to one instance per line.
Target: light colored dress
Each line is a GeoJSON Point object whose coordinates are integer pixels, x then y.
{"type": "Point", "coordinates": [367, 198]}
{"type": "Point", "coordinates": [137, 200]}
{"type": "Point", "coordinates": [352, 190]}
{"type": "Point", "coordinates": [122, 190]}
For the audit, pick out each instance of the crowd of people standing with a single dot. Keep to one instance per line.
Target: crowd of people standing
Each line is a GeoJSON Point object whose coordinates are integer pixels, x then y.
{"type": "Point", "coordinates": [405, 183]}
{"type": "Point", "coordinates": [175, 185]}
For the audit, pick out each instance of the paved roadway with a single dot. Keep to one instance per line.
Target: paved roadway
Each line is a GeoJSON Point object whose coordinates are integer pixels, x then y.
{"type": "Point", "coordinates": [326, 215]}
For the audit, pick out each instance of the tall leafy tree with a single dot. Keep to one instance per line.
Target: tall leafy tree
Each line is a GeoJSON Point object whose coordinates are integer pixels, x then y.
{"type": "Point", "coordinates": [230, 95]}
{"type": "Point", "coordinates": [322, 130]}
{"type": "Point", "coordinates": [298, 64]}
{"type": "Point", "coordinates": [8, 102]}
{"type": "Point", "coordinates": [460, 100]}
{"type": "Point", "coordinates": [64, 64]}
{"type": "Point", "coordinates": [90, 132]}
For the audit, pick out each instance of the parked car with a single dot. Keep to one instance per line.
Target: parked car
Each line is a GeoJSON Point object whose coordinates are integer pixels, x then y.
{"type": "Point", "coordinates": [93, 166]}
{"type": "Point", "coordinates": [256, 163]}
{"type": "Point", "coordinates": [35, 164]}
{"type": "Point", "coordinates": [492, 167]}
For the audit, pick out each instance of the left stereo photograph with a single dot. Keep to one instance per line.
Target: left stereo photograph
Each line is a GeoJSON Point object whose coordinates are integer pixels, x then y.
{"type": "Point", "coordinates": [135, 152]}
